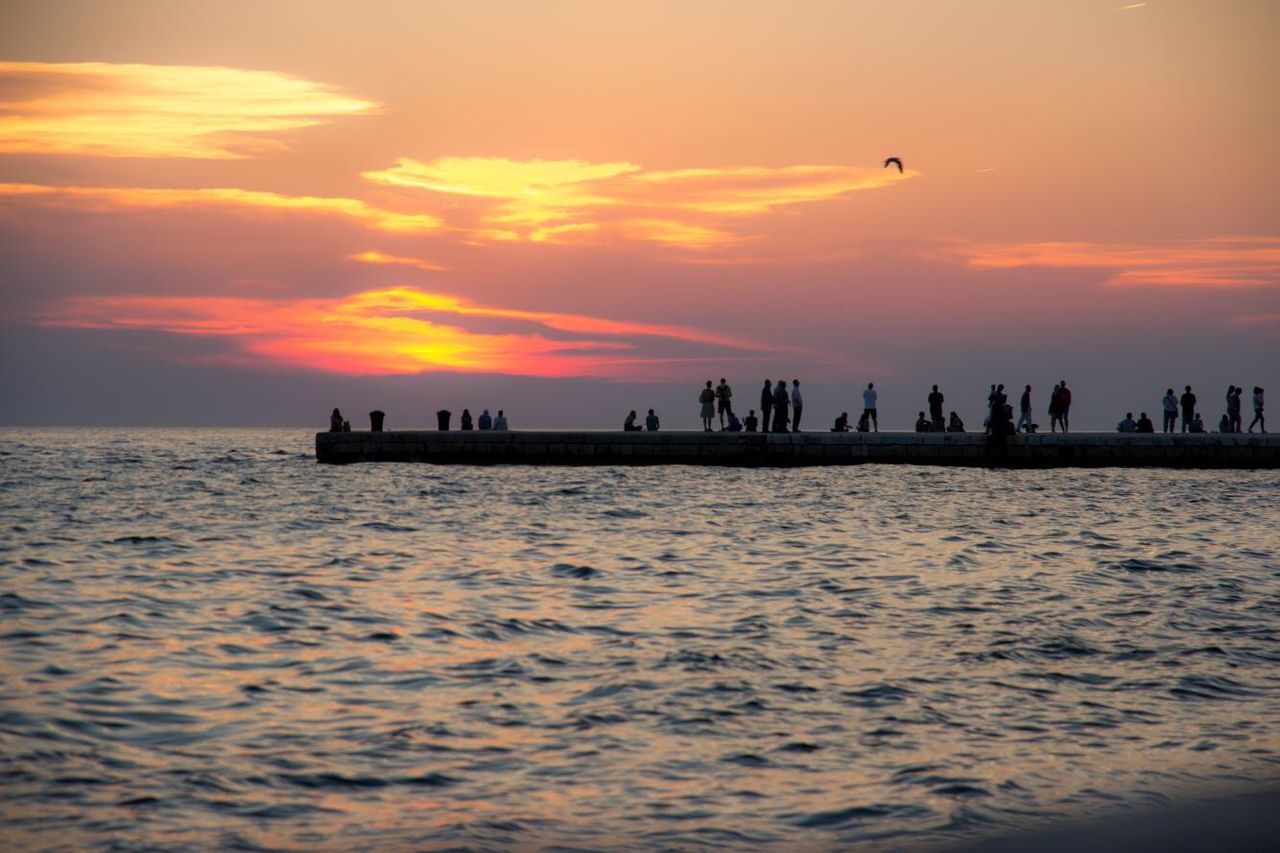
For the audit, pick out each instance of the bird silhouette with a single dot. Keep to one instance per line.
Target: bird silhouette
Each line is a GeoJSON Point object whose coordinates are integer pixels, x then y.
{"type": "Point", "coordinates": [895, 161]}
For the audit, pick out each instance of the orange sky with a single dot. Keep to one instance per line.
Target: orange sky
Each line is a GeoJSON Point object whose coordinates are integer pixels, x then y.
{"type": "Point", "coordinates": [409, 188]}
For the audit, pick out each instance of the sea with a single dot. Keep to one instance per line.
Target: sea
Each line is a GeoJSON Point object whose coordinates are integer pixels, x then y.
{"type": "Point", "coordinates": [209, 641]}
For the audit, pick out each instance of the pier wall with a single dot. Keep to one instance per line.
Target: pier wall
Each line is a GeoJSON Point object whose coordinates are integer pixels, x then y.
{"type": "Point", "coordinates": [1209, 450]}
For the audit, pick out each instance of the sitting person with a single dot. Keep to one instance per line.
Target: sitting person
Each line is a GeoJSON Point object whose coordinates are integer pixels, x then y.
{"type": "Point", "coordinates": [1224, 425]}
{"type": "Point", "coordinates": [1128, 424]}
{"type": "Point", "coordinates": [466, 419]}
{"type": "Point", "coordinates": [735, 425]}
{"type": "Point", "coordinates": [630, 425]}
{"type": "Point", "coordinates": [500, 422]}
{"type": "Point", "coordinates": [1197, 423]}
{"type": "Point", "coordinates": [486, 421]}
{"type": "Point", "coordinates": [955, 424]}
{"type": "Point", "coordinates": [922, 424]}
{"type": "Point", "coordinates": [651, 422]}
{"type": "Point", "coordinates": [864, 422]}
{"type": "Point", "coordinates": [335, 421]}
{"type": "Point", "coordinates": [752, 422]}
{"type": "Point", "coordinates": [842, 423]}
{"type": "Point", "coordinates": [1145, 424]}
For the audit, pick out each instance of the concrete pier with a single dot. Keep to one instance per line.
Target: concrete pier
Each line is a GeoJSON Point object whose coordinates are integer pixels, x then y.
{"type": "Point", "coordinates": [1081, 450]}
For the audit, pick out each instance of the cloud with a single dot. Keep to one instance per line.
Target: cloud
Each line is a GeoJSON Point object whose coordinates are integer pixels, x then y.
{"type": "Point", "coordinates": [375, 257]}
{"type": "Point", "coordinates": [128, 110]}
{"type": "Point", "coordinates": [98, 198]}
{"type": "Point", "coordinates": [1218, 262]}
{"type": "Point", "coordinates": [395, 331]}
{"type": "Point", "coordinates": [572, 201]}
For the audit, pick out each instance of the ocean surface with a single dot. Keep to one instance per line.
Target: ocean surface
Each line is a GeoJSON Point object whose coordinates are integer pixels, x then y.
{"type": "Point", "coordinates": [207, 640]}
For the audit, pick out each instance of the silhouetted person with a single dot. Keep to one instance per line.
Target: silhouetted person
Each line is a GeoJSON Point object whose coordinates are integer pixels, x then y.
{"type": "Point", "coordinates": [500, 422]}
{"type": "Point", "coordinates": [864, 423]}
{"type": "Point", "coordinates": [1144, 424]}
{"type": "Point", "coordinates": [955, 424]}
{"type": "Point", "coordinates": [486, 420]}
{"type": "Point", "coordinates": [1258, 406]}
{"type": "Point", "coordinates": [651, 422]}
{"type": "Point", "coordinates": [797, 405]}
{"type": "Point", "coordinates": [724, 401]}
{"type": "Point", "coordinates": [781, 406]}
{"type": "Point", "coordinates": [766, 404]}
{"type": "Point", "coordinates": [1128, 424]}
{"type": "Point", "coordinates": [375, 420]}
{"type": "Point", "coordinates": [922, 425]}
{"type": "Point", "coordinates": [1233, 407]}
{"type": "Point", "coordinates": [751, 422]}
{"type": "Point", "coordinates": [1001, 415]}
{"type": "Point", "coordinates": [1065, 400]}
{"type": "Point", "coordinates": [1024, 411]}
{"type": "Point", "coordinates": [1055, 409]}
{"type": "Point", "coordinates": [842, 423]}
{"type": "Point", "coordinates": [1197, 423]}
{"type": "Point", "coordinates": [465, 421]}
{"type": "Point", "coordinates": [630, 425]}
{"type": "Point", "coordinates": [1224, 425]}
{"type": "Point", "coordinates": [335, 421]}
{"type": "Point", "coordinates": [1170, 405]}
{"type": "Point", "coordinates": [346, 425]}
{"type": "Point", "coordinates": [935, 408]}
{"type": "Point", "coordinates": [707, 397]}
{"type": "Point", "coordinates": [1188, 409]}
{"type": "Point", "coordinates": [442, 419]}
{"type": "Point", "coordinates": [735, 425]}
{"type": "Point", "coordinates": [869, 405]}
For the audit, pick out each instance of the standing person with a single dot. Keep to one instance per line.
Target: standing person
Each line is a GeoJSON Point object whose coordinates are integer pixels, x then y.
{"type": "Point", "coordinates": [797, 405]}
{"type": "Point", "coordinates": [708, 400]}
{"type": "Point", "coordinates": [1188, 409]}
{"type": "Point", "coordinates": [1233, 407]}
{"type": "Point", "coordinates": [1170, 404]}
{"type": "Point", "coordinates": [1024, 411]}
{"type": "Point", "coordinates": [723, 396]}
{"type": "Point", "coordinates": [1055, 408]}
{"type": "Point", "coordinates": [781, 402]}
{"type": "Point", "coordinates": [988, 422]}
{"type": "Point", "coordinates": [869, 405]}
{"type": "Point", "coordinates": [1257, 409]}
{"type": "Point", "coordinates": [935, 409]}
{"type": "Point", "coordinates": [766, 405]}
{"type": "Point", "coordinates": [1064, 402]}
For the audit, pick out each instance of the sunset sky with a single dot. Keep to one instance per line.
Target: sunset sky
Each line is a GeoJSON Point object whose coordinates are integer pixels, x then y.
{"type": "Point", "coordinates": [248, 213]}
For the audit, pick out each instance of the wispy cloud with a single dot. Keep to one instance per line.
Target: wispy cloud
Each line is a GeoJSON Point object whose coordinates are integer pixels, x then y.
{"type": "Point", "coordinates": [129, 110]}
{"type": "Point", "coordinates": [256, 200]}
{"type": "Point", "coordinates": [375, 257]}
{"type": "Point", "coordinates": [396, 331]}
{"type": "Point", "coordinates": [1219, 262]}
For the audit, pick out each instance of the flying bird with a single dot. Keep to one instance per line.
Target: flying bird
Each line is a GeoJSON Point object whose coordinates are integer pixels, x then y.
{"type": "Point", "coordinates": [895, 161]}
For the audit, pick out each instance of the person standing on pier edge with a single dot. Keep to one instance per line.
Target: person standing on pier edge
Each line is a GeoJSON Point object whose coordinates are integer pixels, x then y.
{"type": "Point", "coordinates": [797, 405]}
{"type": "Point", "coordinates": [1055, 408]}
{"type": "Point", "coordinates": [781, 403]}
{"type": "Point", "coordinates": [1170, 404]}
{"type": "Point", "coordinates": [766, 405]}
{"type": "Point", "coordinates": [869, 406]}
{"type": "Point", "coordinates": [1257, 409]}
{"type": "Point", "coordinates": [1188, 409]}
{"type": "Point", "coordinates": [935, 409]}
{"type": "Point", "coordinates": [723, 405]}
{"type": "Point", "coordinates": [1064, 401]}
{"type": "Point", "coordinates": [1233, 407]}
{"type": "Point", "coordinates": [708, 400]}
{"type": "Point", "coordinates": [1024, 411]}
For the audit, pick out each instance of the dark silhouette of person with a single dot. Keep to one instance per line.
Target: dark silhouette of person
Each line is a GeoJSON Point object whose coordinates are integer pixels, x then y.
{"type": "Point", "coordinates": [1144, 424]}
{"type": "Point", "coordinates": [724, 398]}
{"type": "Point", "coordinates": [842, 423]}
{"type": "Point", "coordinates": [1197, 424]}
{"type": "Point", "coordinates": [1224, 425]}
{"type": "Point", "coordinates": [1258, 406]}
{"type": "Point", "coordinates": [1024, 412]}
{"type": "Point", "coordinates": [1170, 405]}
{"type": "Point", "coordinates": [990, 422]}
{"type": "Point", "coordinates": [781, 406]}
{"type": "Point", "coordinates": [465, 421]}
{"type": "Point", "coordinates": [955, 424]}
{"type": "Point", "coordinates": [1065, 404]}
{"type": "Point", "coordinates": [1055, 409]}
{"type": "Point", "coordinates": [486, 420]}
{"type": "Point", "coordinates": [707, 397]}
{"type": "Point", "coordinates": [735, 425]}
{"type": "Point", "coordinates": [864, 423]}
{"type": "Point", "coordinates": [869, 405]}
{"type": "Point", "coordinates": [1001, 416]}
{"type": "Point", "coordinates": [651, 422]}
{"type": "Point", "coordinates": [766, 404]}
{"type": "Point", "coordinates": [630, 425]}
{"type": "Point", "coordinates": [1128, 424]}
{"type": "Point", "coordinates": [1188, 409]}
{"type": "Point", "coordinates": [751, 422]}
{"type": "Point", "coordinates": [797, 405]}
{"type": "Point", "coordinates": [935, 408]}
{"type": "Point", "coordinates": [375, 420]}
{"type": "Point", "coordinates": [335, 421]}
{"type": "Point", "coordinates": [922, 425]}
{"type": "Point", "coordinates": [1233, 407]}
{"type": "Point", "coordinates": [500, 422]}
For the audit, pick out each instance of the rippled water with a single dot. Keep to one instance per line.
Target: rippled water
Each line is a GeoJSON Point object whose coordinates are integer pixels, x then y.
{"type": "Point", "coordinates": [210, 641]}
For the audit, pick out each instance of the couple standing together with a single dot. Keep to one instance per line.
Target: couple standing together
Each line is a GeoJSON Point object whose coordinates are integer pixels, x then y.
{"type": "Point", "coordinates": [785, 407]}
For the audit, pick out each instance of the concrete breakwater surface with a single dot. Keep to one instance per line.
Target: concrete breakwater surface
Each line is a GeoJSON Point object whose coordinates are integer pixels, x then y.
{"type": "Point", "coordinates": [211, 642]}
{"type": "Point", "coordinates": [587, 447]}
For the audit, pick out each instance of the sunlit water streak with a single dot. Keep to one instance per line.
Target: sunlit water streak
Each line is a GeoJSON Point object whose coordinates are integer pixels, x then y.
{"type": "Point", "coordinates": [208, 640]}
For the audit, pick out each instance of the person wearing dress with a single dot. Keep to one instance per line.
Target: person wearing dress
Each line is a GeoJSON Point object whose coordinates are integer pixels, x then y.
{"type": "Point", "coordinates": [708, 400]}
